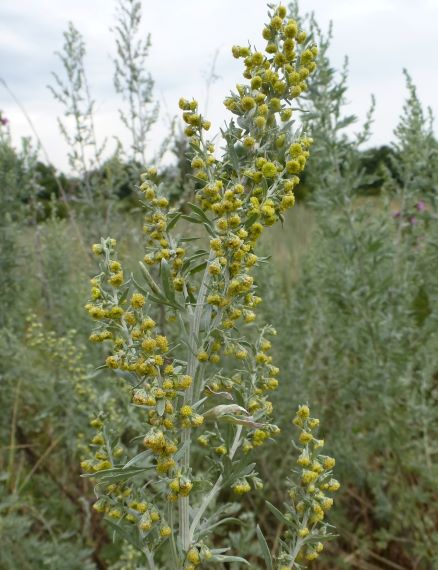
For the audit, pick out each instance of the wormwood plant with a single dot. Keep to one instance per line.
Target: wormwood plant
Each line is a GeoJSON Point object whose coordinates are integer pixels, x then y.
{"type": "Point", "coordinates": [202, 390]}
{"type": "Point", "coordinates": [414, 161]}
{"type": "Point", "coordinates": [131, 80]}
{"type": "Point", "coordinates": [85, 154]}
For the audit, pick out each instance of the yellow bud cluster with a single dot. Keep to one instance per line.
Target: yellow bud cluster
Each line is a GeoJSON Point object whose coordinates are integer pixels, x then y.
{"type": "Point", "coordinates": [150, 517]}
{"type": "Point", "coordinates": [137, 301]}
{"type": "Point", "coordinates": [259, 437]}
{"type": "Point", "coordinates": [193, 119]}
{"type": "Point", "coordinates": [179, 487]}
{"type": "Point", "coordinates": [193, 557]}
{"type": "Point", "coordinates": [162, 447]}
{"type": "Point", "coordinates": [241, 487]}
{"type": "Point", "coordinates": [155, 227]}
{"type": "Point", "coordinates": [101, 460]}
{"type": "Point", "coordinates": [308, 498]}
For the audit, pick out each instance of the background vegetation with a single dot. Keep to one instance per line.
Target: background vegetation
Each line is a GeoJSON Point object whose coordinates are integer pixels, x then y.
{"type": "Point", "coordinates": [352, 292]}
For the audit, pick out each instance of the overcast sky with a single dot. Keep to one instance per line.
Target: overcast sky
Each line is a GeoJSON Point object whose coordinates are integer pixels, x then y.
{"type": "Point", "coordinates": [379, 36]}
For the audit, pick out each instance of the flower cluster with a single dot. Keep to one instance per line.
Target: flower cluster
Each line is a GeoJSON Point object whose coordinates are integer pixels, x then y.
{"type": "Point", "coordinates": [138, 348]}
{"type": "Point", "coordinates": [161, 245]}
{"type": "Point", "coordinates": [197, 556]}
{"type": "Point", "coordinates": [309, 500]}
{"type": "Point", "coordinates": [414, 214]}
{"type": "Point", "coordinates": [257, 183]}
{"type": "Point", "coordinates": [121, 501]}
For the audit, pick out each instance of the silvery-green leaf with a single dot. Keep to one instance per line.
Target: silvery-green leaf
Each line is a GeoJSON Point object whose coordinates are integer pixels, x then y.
{"type": "Point", "coordinates": [225, 409]}
{"type": "Point", "coordinates": [265, 549]}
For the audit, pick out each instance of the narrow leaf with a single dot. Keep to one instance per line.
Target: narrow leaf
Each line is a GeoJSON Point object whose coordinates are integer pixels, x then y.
{"type": "Point", "coordinates": [277, 514]}
{"type": "Point", "coordinates": [117, 473]}
{"type": "Point", "coordinates": [173, 219]}
{"type": "Point", "coordinates": [166, 280]}
{"type": "Point", "coordinates": [137, 458]}
{"type": "Point", "coordinates": [225, 558]}
{"type": "Point", "coordinates": [265, 550]}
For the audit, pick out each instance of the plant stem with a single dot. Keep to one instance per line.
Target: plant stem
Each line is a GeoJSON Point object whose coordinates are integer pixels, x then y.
{"type": "Point", "coordinates": [216, 487]}
{"type": "Point", "coordinates": [299, 542]}
{"type": "Point", "coordinates": [195, 322]}
{"type": "Point", "coordinates": [295, 552]}
{"type": "Point", "coordinates": [150, 559]}
{"type": "Point", "coordinates": [172, 538]}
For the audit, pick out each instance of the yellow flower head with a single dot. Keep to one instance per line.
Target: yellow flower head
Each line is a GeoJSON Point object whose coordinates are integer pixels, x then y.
{"type": "Point", "coordinates": [137, 300]}
{"type": "Point", "coordinates": [186, 411]}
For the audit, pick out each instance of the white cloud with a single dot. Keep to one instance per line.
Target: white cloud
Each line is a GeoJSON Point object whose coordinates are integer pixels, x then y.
{"type": "Point", "coordinates": [11, 41]}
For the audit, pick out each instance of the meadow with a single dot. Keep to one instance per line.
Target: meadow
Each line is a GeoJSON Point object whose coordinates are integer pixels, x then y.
{"type": "Point", "coordinates": [347, 279]}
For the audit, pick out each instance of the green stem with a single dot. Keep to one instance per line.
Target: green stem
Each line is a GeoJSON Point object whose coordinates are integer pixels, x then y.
{"type": "Point", "coordinates": [150, 559]}
{"type": "Point", "coordinates": [192, 364]}
{"type": "Point", "coordinates": [216, 487]}
{"type": "Point", "coordinates": [299, 543]}
{"type": "Point", "coordinates": [172, 538]}
{"type": "Point", "coordinates": [295, 552]}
